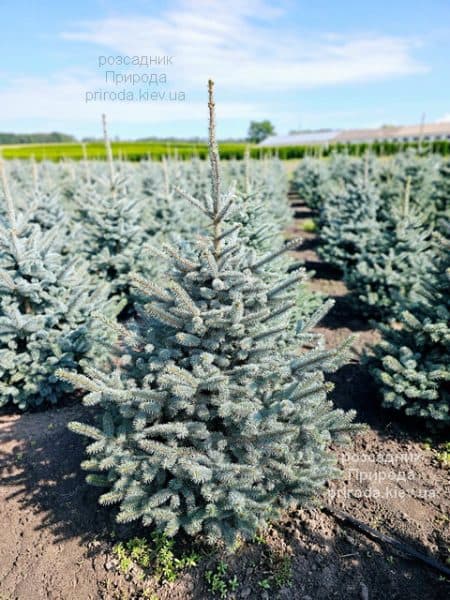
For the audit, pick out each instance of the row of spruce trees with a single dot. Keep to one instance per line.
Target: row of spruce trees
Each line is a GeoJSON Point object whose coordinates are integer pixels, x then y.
{"type": "Point", "coordinates": [71, 236]}
{"type": "Point", "coordinates": [166, 294]}
{"type": "Point", "coordinates": [385, 225]}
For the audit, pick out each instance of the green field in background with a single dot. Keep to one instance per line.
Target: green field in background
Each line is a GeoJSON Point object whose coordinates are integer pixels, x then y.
{"type": "Point", "coordinates": [186, 150]}
{"type": "Point", "coordinates": [125, 150]}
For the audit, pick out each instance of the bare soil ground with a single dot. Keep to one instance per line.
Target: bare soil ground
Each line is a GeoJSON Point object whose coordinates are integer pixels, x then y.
{"type": "Point", "coordinates": [56, 543]}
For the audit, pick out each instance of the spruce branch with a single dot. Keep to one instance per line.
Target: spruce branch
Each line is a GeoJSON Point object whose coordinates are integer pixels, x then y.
{"type": "Point", "coordinates": [160, 314]}
{"type": "Point", "coordinates": [269, 333]}
{"type": "Point", "coordinates": [183, 297]}
{"type": "Point", "coordinates": [406, 197]}
{"type": "Point", "coordinates": [109, 154]}
{"type": "Point", "coordinates": [295, 277]}
{"type": "Point", "coordinates": [229, 232]}
{"type": "Point", "coordinates": [118, 328]}
{"type": "Point", "coordinates": [86, 430]}
{"type": "Point", "coordinates": [273, 255]}
{"type": "Point", "coordinates": [149, 288]}
{"type": "Point", "coordinates": [165, 168]}
{"type": "Point", "coordinates": [318, 315]}
{"type": "Point", "coordinates": [194, 202]}
{"type": "Point", "coordinates": [34, 174]}
{"type": "Point", "coordinates": [188, 265]}
{"type": "Point", "coordinates": [228, 203]}
{"type": "Point", "coordinates": [78, 380]}
{"type": "Point", "coordinates": [8, 198]}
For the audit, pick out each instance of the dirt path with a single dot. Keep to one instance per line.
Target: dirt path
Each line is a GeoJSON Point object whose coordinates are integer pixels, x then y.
{"type": "Point", "coordinates": [56, 542]}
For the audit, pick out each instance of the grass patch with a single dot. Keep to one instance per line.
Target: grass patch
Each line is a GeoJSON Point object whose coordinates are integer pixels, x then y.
{"type": "Point", "coordinates": [159, 557]}
{"type": "Point", "coordinates": [218, 583]}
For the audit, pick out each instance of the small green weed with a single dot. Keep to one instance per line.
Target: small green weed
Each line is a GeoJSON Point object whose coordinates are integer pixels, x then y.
{"type": "Point", "coordinates": [280, 568]}
{"type": "Point", "coordinates": [282, 572]}
{"type": "Point", "coordinates": [265, 584]}
{"type": "Point", "coordinates": [159, 555]}
{"type": "Point", "coordinates": [218, 584]}
{"type": "Point", "coordinates": [167, 565]}
{"type": "Point", "coordinates": [259, 539]}
{"type": "Point", "coordinates": [443, 455]}
{"type": "Point", "coordinates": [427, 444]}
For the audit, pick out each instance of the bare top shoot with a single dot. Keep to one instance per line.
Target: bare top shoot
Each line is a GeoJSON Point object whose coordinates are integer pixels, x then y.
{"type": "Point", "coordinates": [109, 154]}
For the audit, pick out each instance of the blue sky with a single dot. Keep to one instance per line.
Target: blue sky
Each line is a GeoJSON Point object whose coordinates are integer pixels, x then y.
{"type": "Point", "coordinates": [300, 63]}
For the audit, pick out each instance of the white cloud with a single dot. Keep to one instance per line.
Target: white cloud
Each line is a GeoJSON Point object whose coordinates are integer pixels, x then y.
{"type": "Point", "coordinates": [223, 40]}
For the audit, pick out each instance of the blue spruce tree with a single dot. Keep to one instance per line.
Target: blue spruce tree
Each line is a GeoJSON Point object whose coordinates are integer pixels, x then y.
{"type": "Point", "coordinates": [45, 301]}
{"type": "Point", "coordinates": [394, 264]}
{"type": "Point", "coordinates": [419, 173]}
{"type": "Point", "coordinates": [216, 417]}
{"type": "Point", "coordinates": [412, 362]}
{"type": "Point", "coordinates": [110, 209]}
{"type": "Point", "coordinates": [311, 180]}
{"type": "Point", "coordinates": [441, 194]}
{"type": "Point", "coordinates": [348, 223]}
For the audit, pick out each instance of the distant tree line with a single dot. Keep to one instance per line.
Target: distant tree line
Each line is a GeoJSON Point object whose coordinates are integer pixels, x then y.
{"type": "Point", "coordinates": [35, 138]}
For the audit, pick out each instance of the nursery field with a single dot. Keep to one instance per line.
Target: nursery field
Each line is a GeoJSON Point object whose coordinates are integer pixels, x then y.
{"type": "Point", "coordinates": [59, 543]}
{"type": "Point", "coordinates": [157, 150]}
{"type": "Point", "coordinates": [126, 150]}
{"type": "Point", "coordinates": [225, 380]}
